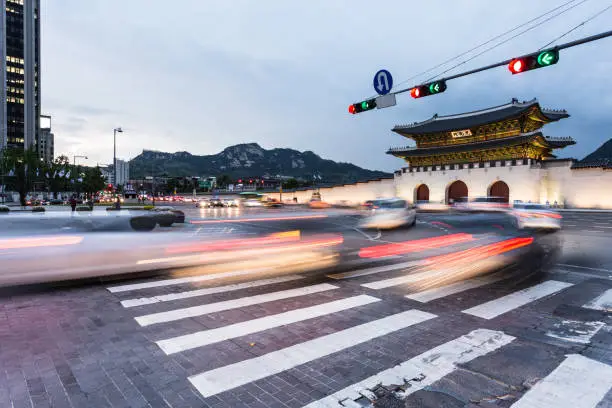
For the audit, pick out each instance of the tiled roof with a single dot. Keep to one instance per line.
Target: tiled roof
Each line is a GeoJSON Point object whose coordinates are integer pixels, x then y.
{"type": "Point", "coordinates": [600, 163]}
{"type": "Point", "coordinates": [477, 118]}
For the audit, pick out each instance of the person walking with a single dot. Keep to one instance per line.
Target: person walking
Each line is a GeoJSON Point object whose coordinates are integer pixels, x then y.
{"type": "Point", "coordinates": [73, 203]}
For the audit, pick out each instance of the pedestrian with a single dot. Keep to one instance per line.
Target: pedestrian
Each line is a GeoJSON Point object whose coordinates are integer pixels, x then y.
{"type": "Point", "coordinates": [117, 204]}
{"type": "Point", "coordinates": [73, 203]}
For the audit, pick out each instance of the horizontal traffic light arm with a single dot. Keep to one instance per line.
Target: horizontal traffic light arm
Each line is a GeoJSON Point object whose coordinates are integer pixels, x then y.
{"type": "Point", "coordinates": [506, 62]}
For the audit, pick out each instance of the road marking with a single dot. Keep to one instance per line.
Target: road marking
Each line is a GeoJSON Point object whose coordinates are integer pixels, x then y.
{"type": "Point", "coordinates": [586, 267]}
{"type": "Point", "coordinates": [234, 375]}
{"type": "Point", "coordinates": [458, 287]}
{"type": "Point", "coordinates": [578, 382]}
{"type": "Point", "coordinates": [371, 271]}
{"type": "Point", "coordinates": [206, 337]}
{"type": "Point", "coordinates": [200, 310]}
{"type": "Point", "coordinates": [575, 331]}
{"type": "Point", "coordinates": [178, 281]}
{"type": "Point", "coordinates": [401, 280]}
{"type": "Point", "coordinates": [601, 302]}
{"type": "Point", "coordinates": [496, 307]}
{"type": "Point", "coordinates": [429, 367]}
{"type": "Point", "coordinates": [569, 225]}
{"type": "Point", "coordinates": [601, 226]}
{"type": "Point", "coordinates": [207, 291]}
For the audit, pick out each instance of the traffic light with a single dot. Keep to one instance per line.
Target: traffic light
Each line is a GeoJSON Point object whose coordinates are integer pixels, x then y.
{"type": "Point", "coordinates": [534, 61]}
{"type": "Point", "coordinates": [431, 88]}
{"type": "Point", "coordinates": [362, 106]}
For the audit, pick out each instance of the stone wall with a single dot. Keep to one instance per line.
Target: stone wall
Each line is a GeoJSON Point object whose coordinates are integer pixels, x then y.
{"type": "Point", "coordinates": [538, 182]}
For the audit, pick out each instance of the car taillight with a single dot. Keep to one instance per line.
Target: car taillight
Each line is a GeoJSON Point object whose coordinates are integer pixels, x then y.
{"type": "Point", "coordinates": [553, 215]}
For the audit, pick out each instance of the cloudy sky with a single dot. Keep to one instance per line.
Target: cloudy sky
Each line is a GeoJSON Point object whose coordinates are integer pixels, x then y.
{"type": "Point", "coordinates": [199, 75]}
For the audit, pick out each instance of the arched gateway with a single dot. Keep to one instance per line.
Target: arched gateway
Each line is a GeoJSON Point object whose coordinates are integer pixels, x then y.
{"type": "Point", "coordinates": [500, 189]}
{"type": "Point", "coordinates": [422, 193]}
{"type": "Point", "coordinates": [456, 191]}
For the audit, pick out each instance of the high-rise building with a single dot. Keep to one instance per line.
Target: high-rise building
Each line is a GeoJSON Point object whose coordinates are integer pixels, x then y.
{"type": "Point", "coordinates": [46, 140]}
{"type": "Point", "coordinates": [123, 173]}
{"type": "Point", "coordinates": [19, 73]}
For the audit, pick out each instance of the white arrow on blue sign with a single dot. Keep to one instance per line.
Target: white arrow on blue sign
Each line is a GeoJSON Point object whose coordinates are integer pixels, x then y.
{"type": "Point", "coordinates": [383, 82]}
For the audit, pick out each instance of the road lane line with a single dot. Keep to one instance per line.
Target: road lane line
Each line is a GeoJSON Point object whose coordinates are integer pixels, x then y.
{"type": "Point", "coordinates": [207, 291]}
{"type": "Point", "coordinates": [371, 271]}
{"type": "Point", "coordinates": [496, 307]}
{"type": "Point", "coordinates": [578, 382]}
{"type": "Point", "coordinates": [431, 366]}
{"type": "Point", "coordinates": [206, 337]}
{"type": "Point", "coordinates": [447, 290]}
{"type": "Point", "coordinates": [601, 302]}
{"type": "Point", "coordinates": [575, 331]}
{"type": "Point", "coordinates": [586, 267]}
{"type": "Point", "coordinates": [178, 281]}
{"type": "Point", "coordinates": [200, 310]}
{"type": "Point", "coordinates": [234, 375]}
{"type": "Point", "coordinates": [601, 226]}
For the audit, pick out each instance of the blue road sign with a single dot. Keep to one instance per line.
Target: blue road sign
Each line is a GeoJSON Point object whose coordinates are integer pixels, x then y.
{"type": "Point", "coordinates": [383, 82]}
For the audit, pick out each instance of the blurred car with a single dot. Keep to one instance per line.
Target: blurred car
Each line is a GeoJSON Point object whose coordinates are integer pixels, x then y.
{"type": "Point", "coordinates": [314, 203]}
{"type": "Point", "coordinates": [252, 202]}
{"type": "Point", "coordinates": [536, 216]}
{"type": "Point", "coordinates": [483, 204]}
{"type": "Point", "coordinates": [344, 204]}
{"type": "Point", "coordinates": [56, 201]}
{"type": "Point", "coordinates": [271, 203]}
{"type": "Point", "coordinates": [216, 202]}
{"type": "Point", "coordinates": [426, 205]}
{"type": "Point", "coordinates": [203, 204]}
{"type": "Point", "coordinates": [229, 202]}
{"type": "Point", "coordinates": [388, 214]}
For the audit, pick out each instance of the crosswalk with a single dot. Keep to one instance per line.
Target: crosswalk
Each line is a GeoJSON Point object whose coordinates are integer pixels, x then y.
{"type": "Point", "coordinates": [275, 304]}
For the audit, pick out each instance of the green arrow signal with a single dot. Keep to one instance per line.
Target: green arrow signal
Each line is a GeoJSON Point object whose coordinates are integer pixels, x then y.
{"type": "Point", "coordinates": [435, 87]}
{"type": "Point", "coordinates": [547, 58]}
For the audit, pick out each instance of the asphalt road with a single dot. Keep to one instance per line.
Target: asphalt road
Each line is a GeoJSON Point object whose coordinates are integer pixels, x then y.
{"type": "Point", "coordinates": [368, 329]}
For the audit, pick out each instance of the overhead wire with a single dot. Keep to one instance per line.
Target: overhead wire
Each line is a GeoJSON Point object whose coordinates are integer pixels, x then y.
{"type": "Point", "coordinates": [505, 41]}
{"type": "Point", "coordinates": [577, 26]}
{"type": "Point", "coordinates": [488, 41]}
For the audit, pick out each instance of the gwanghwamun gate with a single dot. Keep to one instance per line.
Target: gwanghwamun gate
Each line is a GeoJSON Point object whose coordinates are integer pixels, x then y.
{"type": "Point", "coordinates": [500, 151]}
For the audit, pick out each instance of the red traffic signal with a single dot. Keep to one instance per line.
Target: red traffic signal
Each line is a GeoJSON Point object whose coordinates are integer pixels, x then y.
{"type": "Point", "coordinates": [362, 106]}
{"type": "Point", "coordinates": [352, 109]}
{"type": "Point", "coordinates": [517, 66]}
{"type": "Point", "coordinates": [536, 60]}
{"type": "Point", "coordinates": [431, 88]}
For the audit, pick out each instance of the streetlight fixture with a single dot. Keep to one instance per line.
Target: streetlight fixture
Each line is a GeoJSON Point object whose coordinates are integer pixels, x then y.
{"type": "Point", "coordinates": [115, 131]}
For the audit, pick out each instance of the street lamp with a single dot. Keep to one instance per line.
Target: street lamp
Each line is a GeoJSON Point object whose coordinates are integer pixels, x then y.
{"type": "Point", "coordinates": [115, 131]}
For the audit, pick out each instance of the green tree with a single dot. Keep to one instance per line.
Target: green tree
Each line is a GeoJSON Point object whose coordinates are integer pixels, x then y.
{"type": "Point", "coordinates": [93, 181]}
{"type": "Point", "coordinates": [291, 183]}
{"type": "Point", "coordinates": [57, 180]}
{"type": "Point", "coordinates": [23, 166]}
{"type": "Point", "coordinates": [223, 180]}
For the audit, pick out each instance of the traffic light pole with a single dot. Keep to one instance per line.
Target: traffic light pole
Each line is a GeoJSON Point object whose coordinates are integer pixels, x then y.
{"type": "Point", "coordinates": [506, 62]}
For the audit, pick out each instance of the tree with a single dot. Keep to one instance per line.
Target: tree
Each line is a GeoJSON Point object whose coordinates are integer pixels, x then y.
{"type": "Point", "coordinates": [291, 184]}
{"type": "Point", "coordinates": [23, 169]}
{"type": "Point", "coordinates": [93, 181]}
{"type": "Point", "coordinates": [57, 170]}
{"type": "Point", "coordinates": [223, 180]}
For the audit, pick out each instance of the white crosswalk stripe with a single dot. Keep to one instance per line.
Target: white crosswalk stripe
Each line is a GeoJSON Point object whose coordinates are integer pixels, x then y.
{"type": "Point", "coordinates": [505, 304]}
{"type": "Point", "coordinates": [428, 295]}
{"type": "Point", "coordinates": [200, 310]}
{"type": "Point", "coordinates": [371, 271]}
{"type": "Point", "coordinates": [205, 337]}
{"type": "Point", "coordinates": [602, 302]}
{"type": "Point", "coordinates": [430, 367]}
{"type": "Point", "coordinates": [179, 281]}
{"type": "Point", "coordinates": [234, 375]}
{"type": "Point", "coordinates": [409, 278]}
{"type": "Point", "coordinates": [578, 382]}
{"type": "Point", "coordinates": [207, 291]}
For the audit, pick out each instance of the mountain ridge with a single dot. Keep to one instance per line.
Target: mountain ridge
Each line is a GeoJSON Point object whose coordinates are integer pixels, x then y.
{"type": "Point", "coordinates": [603, 152]}
{"type": "Point", "coordinates": [250, 160]}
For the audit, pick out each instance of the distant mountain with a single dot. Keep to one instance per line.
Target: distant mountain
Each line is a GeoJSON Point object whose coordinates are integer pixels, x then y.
{"type": "Point", "coordinates": [249, 160]}
{"type": "Point", "coordinates": [604, 152]}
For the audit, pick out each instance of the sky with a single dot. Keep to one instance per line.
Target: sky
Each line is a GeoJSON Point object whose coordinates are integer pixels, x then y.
{"type": "Point", "coordinates": [199, 76]}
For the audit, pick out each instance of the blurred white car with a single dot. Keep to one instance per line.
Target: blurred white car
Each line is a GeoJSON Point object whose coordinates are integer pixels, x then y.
{"type": "Point", "coordinates": [484, 204]}
{"type": "Point", "coordinates": [388, 214]}
{"type": "Point", "coordinates": [252, 202]}
{"type": "Point", "coordinates": [424, 205]}
{"type": "Point", "coordinates": [536, 216]}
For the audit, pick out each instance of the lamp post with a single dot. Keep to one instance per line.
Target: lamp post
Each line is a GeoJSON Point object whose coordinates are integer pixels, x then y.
{"type": "Point", "coordinates": [115, 131]}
